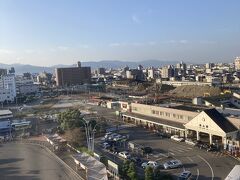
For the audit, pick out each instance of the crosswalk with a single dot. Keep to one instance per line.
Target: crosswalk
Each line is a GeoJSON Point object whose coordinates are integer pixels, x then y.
{"type": "Point", "coordinates": [218, 154]}
{"type": "Point", "coordinates": [177, 150]}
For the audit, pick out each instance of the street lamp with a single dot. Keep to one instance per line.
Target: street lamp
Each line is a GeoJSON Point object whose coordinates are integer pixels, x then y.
{"type": "Point", "coordinates": [89, 133]}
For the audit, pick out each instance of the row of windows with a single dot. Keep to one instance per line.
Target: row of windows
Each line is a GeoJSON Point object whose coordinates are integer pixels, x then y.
{"type": "Point", "coordinates": [177, 116]}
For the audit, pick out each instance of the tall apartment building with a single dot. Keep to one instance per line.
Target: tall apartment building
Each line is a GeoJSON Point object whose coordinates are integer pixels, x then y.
{"type": "Point", "coordinates": [237, 63]}
{"type": "Point", "coordinates": [3, 72]}
{"type": "Point", "coordinates": [7, 88]}
{"type": "Point", "coordinates": [209, 65]}
{"type": "Point", "coordinates": [181, 68]}
{"type": "Point", "coordinates": [73, 75]}
{"type": "Point", "coordinates": [167, 72]}
{"type": "Point", "coordinates": [101, 70]}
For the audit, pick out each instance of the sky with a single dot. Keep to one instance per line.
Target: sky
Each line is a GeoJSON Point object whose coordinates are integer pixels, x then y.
{"type": "Point", "coordinates": [50, 32]}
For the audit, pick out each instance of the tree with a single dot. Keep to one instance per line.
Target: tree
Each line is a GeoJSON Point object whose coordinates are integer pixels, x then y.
{"type": "Point", "coordinates": [75, 136]}
{"type": "Point", "coordinates": [149, 175]}
{"type": "Point", "coordinates": [131, 173]}
{"type": "Point", "coordinates": [70, 119]}
{"type": "Point", "coordinates": [124, 169]}
{"type": "Point", "coordinates": [157, 174]}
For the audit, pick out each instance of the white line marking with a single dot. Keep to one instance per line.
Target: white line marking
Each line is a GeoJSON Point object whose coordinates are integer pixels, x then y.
{"type": "Point", "coordinates": [208, 165]}
{"type": "Point", "coordinates": [172, 153]}
{"type": "Point", "coordinates": [180, 150]}
{"type": "Point", "coordinates": [183, 149]}
{"type": "Point", "coordinates": [190, 159]}
{"type": "Point", "coordinates": [197, 174]}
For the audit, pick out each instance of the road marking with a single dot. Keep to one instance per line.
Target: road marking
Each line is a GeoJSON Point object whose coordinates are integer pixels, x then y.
{"type": "Point", "coordinates": [208, 165]}
{"type": "Point", "coordinates": [190, 159]}
{"type": "Point", "coordinates": [197, 174]}
{"type": "Point", "coordinates": [158, 159]}
{"type": "Point", "coordinates": [180, 150]}
{"type": "Point", "coordinates": [172, 153]}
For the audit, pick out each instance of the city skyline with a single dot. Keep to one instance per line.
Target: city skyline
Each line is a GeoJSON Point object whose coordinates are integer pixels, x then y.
{"type": "Point", "coordinates": [130, 31]}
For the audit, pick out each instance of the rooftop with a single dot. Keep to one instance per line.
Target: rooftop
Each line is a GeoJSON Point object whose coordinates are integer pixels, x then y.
{"type": "Point", "coordinates": [157, 120]}
{"type": "Point", "coordinates": [5, 112]}
{"type": "Point", "coordinates": [220, 120]}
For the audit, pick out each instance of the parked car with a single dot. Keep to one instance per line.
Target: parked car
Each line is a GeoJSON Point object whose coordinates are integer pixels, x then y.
{"type": "Point", "coordinates": [177, 138]}
{"type": "Point", "coordinates": [172, 164]}
{"type": "Point", "coordinates": [202, 145]}
{"type": "Point", "coordinates": [117, 137]}
{"type": "Point", "coordinates": [124, 154]}
{"type": "Point", "coordinates": [184, 175]}
{"type": "Point", "coordinates": [212, 148]}
{"type": "Point", "coordinates": [152, 164]}
{"type": "Point", "coordinates": [190, 142]}
{"type": "Point", "coordinates": [105, 145]}
{"type": "Point", "coordinates": [162, 135]}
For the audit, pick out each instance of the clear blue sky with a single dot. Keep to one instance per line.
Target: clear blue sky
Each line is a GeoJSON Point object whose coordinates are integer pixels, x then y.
{"type": "Point", "coordinates": [47, 32]}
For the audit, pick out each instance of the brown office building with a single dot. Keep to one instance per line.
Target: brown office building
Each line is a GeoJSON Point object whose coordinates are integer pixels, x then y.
{"type": "Point", "coordinates": [73, 75]}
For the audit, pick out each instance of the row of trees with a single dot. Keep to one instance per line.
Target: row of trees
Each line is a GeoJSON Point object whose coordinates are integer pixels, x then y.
{"type": "Point", "coordinates": [128, 170]}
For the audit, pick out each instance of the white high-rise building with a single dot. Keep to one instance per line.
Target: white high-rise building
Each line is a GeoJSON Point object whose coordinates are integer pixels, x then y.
{"type": "Point", "coordinates": [237, 63]}
{"type": "Point", "coordinates": [7, 88]}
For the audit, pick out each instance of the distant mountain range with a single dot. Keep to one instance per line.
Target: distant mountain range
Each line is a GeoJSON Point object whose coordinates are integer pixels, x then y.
{"type": "Point", "coordinates": [21, 68]}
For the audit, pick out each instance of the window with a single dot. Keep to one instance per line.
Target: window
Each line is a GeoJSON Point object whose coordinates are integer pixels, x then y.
{"type": "Point", "coordinates": [200, 125]}
{"type": "Point", "coordinates": [181, 116]}
{"type": "Point", "coordinates": [157, 112]}
{"type": "Point", "coordinates": [206, 126]}
{"type": "Point", "coordinates": [174, 115]}
{"type": "Point", "coordinates": [153, 111]}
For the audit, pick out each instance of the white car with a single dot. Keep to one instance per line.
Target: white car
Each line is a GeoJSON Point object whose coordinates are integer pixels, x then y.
{"type": "Point", "coordinates": [190, 142]}
{"type": "Point", "coordinates": [117, 137]}
{"type": "Point", "coordinates": [172, 164]}
{"type": "Point", "coordinates": [107, 135]}
{"type": "Point", "coordinates": [124, 154]}
{"type": "Point", "coordinates": [177, 138]}
{"type": "Point", "coordinates": [152, 164]}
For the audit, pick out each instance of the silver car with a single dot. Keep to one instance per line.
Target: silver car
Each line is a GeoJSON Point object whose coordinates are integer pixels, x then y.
{"type": "Point", "coordinates": [172, 164]}
{"type": "Point", "coordinates": [184, 175]}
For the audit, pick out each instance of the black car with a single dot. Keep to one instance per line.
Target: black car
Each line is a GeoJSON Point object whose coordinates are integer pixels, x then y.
{"type": "Point", "coordinates": [212, 148]}
{"type": "Point", "coordinates": [202, 145]}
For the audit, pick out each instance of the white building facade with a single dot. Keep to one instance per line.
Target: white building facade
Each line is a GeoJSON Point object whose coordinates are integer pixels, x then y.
{"type": "Point", "coordinates": [7, 88]}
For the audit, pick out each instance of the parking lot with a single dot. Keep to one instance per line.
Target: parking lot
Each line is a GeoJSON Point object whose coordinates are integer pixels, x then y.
{"type": "Point", "coordinates": [202, 164]}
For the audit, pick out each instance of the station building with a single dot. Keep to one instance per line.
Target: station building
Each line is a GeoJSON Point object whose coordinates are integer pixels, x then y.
{"type": "Point", "coordinates": [209, 125]}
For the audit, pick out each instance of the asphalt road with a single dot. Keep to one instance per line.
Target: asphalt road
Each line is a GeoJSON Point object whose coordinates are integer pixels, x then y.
{"type": "Point", "coordinates": [30, 162]}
